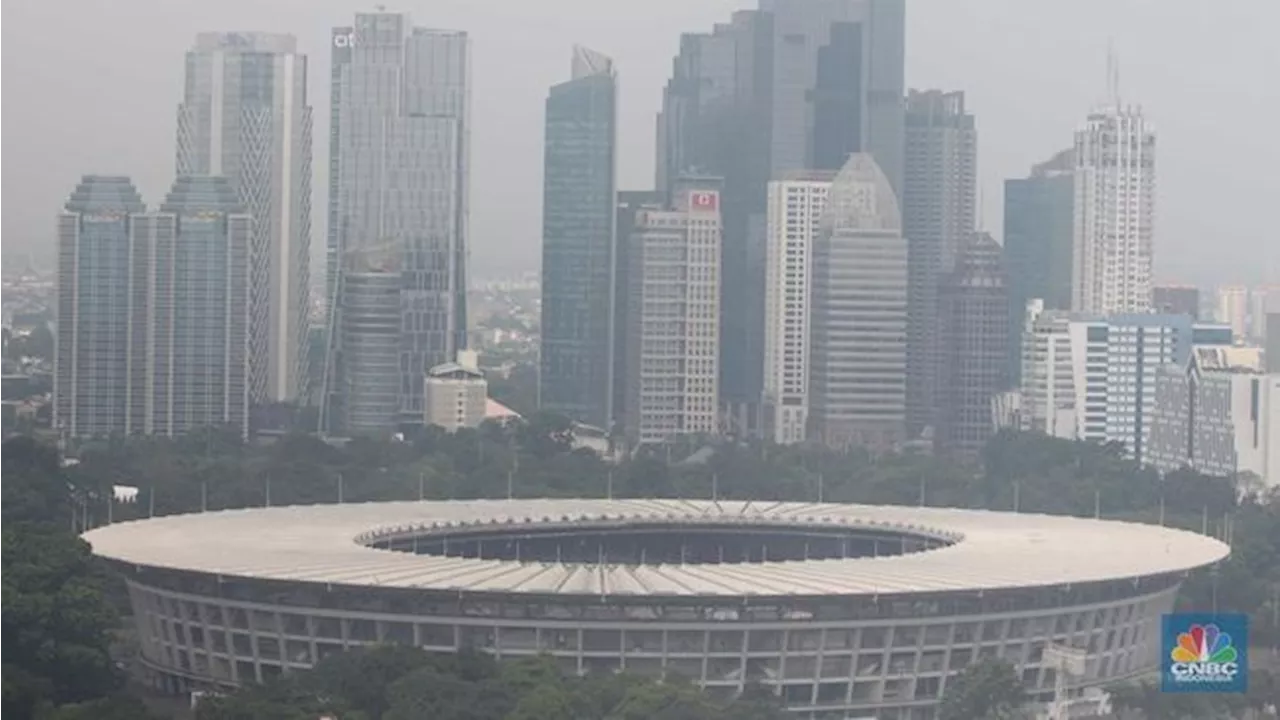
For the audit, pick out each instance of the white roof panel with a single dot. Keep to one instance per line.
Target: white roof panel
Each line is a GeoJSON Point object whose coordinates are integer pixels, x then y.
{"type": "Point", "coordinates": [318, 543]}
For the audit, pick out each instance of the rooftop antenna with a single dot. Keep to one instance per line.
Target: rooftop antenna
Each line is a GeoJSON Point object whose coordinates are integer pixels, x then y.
{"type": "Point", "coordinates": [1113, 74]}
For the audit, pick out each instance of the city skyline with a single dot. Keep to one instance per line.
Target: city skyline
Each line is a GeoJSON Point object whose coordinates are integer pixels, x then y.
{"type": "Point", "coordinates": [1077, 80]}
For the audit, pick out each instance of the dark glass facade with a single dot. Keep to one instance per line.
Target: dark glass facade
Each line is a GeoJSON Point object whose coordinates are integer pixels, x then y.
{"type": "Point", "coordinates": [579, 245]}
{"type": "Point", "coordinates": [1038, 224]}
{"type": "Point", "coordinates": [975, 337]}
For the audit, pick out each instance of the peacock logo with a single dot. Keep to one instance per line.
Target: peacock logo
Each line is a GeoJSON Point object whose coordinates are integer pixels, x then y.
{"type": "Point", "coordinates": [1204, 655]}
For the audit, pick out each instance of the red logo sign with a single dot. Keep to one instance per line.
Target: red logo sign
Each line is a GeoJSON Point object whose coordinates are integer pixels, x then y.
{"type": "Point", "coordinates": [704, 201]}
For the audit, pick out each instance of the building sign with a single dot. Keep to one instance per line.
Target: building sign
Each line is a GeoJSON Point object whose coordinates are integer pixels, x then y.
{"type": "Point", "coordinates": [1205, 652]}
{"type": "Point", "coordinates": [344, 38]}
{"type": "Point", "coordinates": [704, 201]}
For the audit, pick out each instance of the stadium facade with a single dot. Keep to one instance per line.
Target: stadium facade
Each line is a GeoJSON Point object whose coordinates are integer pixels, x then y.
{"type": "Point", "coordinates": [848, 611]}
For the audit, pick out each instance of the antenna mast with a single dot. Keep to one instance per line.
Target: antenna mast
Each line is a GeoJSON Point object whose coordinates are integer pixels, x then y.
{"type": "Point", "coordinates": [1113, 74]}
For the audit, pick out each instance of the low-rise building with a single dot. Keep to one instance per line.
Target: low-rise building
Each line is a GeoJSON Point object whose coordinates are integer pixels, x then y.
{"type": "Point", "coordinates": [456, 394]}
{"type": "Point", "coordinates": [1219, 413]}
{"type": "Point", "coordinates": [1094, 378]}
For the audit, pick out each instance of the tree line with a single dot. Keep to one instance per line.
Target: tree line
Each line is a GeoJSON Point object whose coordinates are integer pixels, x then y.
{"type": "Point", "coordinates": [404, 683]}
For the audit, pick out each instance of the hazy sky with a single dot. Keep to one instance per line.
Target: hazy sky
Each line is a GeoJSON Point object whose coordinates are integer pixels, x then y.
{"type": "Point", "coordinates": [92, 86]}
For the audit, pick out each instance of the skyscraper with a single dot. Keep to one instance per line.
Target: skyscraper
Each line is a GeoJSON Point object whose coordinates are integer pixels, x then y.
{"type": "Point", "coordinates": [1115, 212]}
{"type": "Point", "coordinates": [399, 147]}
{"type": "Point", "coordinates": [673, 316]}
{"type": "Point", "coordinates": [99, 314]}
{"type": "Point", "coordinates": [796, 205]}
{"type": "Point", "coordinates": [796, 85]}
{"type": "Point", "coordinates": [244, 115]}
{"type": "Point", "coordinates": [630, 203]}
{"type": "Point", "coordinates": [1233, 309]}
{"type": "Point", "coordinates": [938, 200]}
{"type": "Point", "coordinates": [974, 327]}
{"type": "Point", "coordinates": [579, 258]}
{"type": "Point", "coordinates": [857, 375]}
{"type": "Point", "coordinates": [195, 258]}
{"type": "Point", "coordinates": [1039, 222]}
{"type": "Point", "coordinates": [715, 119]}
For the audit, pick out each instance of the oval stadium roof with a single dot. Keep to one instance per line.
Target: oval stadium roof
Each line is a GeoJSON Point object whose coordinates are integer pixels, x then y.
{"type": "Point", "coordinates": [323, 544]}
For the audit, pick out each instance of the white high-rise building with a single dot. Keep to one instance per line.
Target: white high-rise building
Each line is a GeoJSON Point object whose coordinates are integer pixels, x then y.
{"type": "Point", "coordinates": [244, 115]}
{"type": "Point", "coordinates": [1115, 213]}
{"type": "Point", "coordinates": [673, 316]}
{"type": "Point", "coordinates": [794, 216]}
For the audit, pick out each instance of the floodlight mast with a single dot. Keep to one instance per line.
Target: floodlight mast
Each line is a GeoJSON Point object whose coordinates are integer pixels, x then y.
{"type": "Point", "coordinates": [1066, 662]}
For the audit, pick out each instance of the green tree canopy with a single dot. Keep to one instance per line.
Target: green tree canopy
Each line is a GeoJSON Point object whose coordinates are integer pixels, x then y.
{"type": "Point", "coordinates": [56, 617]}
{"type": "Point", "coordinates": [986, 690]}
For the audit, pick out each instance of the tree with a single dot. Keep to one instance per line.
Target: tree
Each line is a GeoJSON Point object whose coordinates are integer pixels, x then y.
{"type": "Point", "coordinates": [34, 489]}
{"type": "Point", "coordinates": [115, 707]}
{"type": "Point", "coordinates": [987, 690]}
{"type": "Point", "coordinates": [55, 620]}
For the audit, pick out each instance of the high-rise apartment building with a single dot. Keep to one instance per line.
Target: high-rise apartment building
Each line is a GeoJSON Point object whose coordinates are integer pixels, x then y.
{"type": "Point", "coordinates": [630, 203]}
{"type": "Point", "coordinates": [1114, 233]}
{"type": "Point", "coordinates": [399, 148]}
{"type": "Point", "coordinates": [795, 85]}
{"type": "Point", "coordinates": [858, 340]}
{"type": "Point", "coordinates": [1039, 222]}
{"type": "Point", "coordinates": [939, 203]}
{"type": "Point", "coordinates": [245, 116]}
{"type": "Point", "coordinates": [197, 266]}
{"type": "Point", "coordinates": [1176, 300]}
{"type": "Point", "coordinates": [153, 310]}
{"type": "Point", "coordinates": [579, 258]}
{"type": "Point", "coordinates": [100, 316]}
{"type": "Point", "coordinates": [974, 331]}
{"type": "Point", "coordinates": [796, 206]}
{"type": "Point", "coordinates": [673, 316]}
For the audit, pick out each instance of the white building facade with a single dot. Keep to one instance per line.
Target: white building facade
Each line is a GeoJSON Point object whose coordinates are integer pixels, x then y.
{"type": "Point", "coordinates": [1115, 213]}
{"type": "Point", "coordinates": [673, 318]}
{"type": "Point", "coordinates": [793, 219]}
{"type": "Point", "coordinates": [245, 116]}
{"type": "Point", "coordinates": [1095, 379]}
{"type": "Point", "coordinates": [455, 394]}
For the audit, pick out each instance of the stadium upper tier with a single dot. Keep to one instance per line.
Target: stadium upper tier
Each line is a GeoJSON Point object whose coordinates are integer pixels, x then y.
{"type": "Point", "coordinates": [661, 548]}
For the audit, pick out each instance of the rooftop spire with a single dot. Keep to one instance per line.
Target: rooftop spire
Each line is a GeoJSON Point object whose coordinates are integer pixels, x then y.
{"type": "Point", "coordinates": [588, 62]}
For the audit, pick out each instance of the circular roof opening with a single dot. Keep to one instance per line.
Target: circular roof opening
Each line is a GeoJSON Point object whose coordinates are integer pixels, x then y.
{"type": "Point", "coordinates": [657, 542]}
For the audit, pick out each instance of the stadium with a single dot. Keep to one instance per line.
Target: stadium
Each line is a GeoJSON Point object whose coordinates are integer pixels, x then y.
{"type": "Point", "coordinates": [848, 611]}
